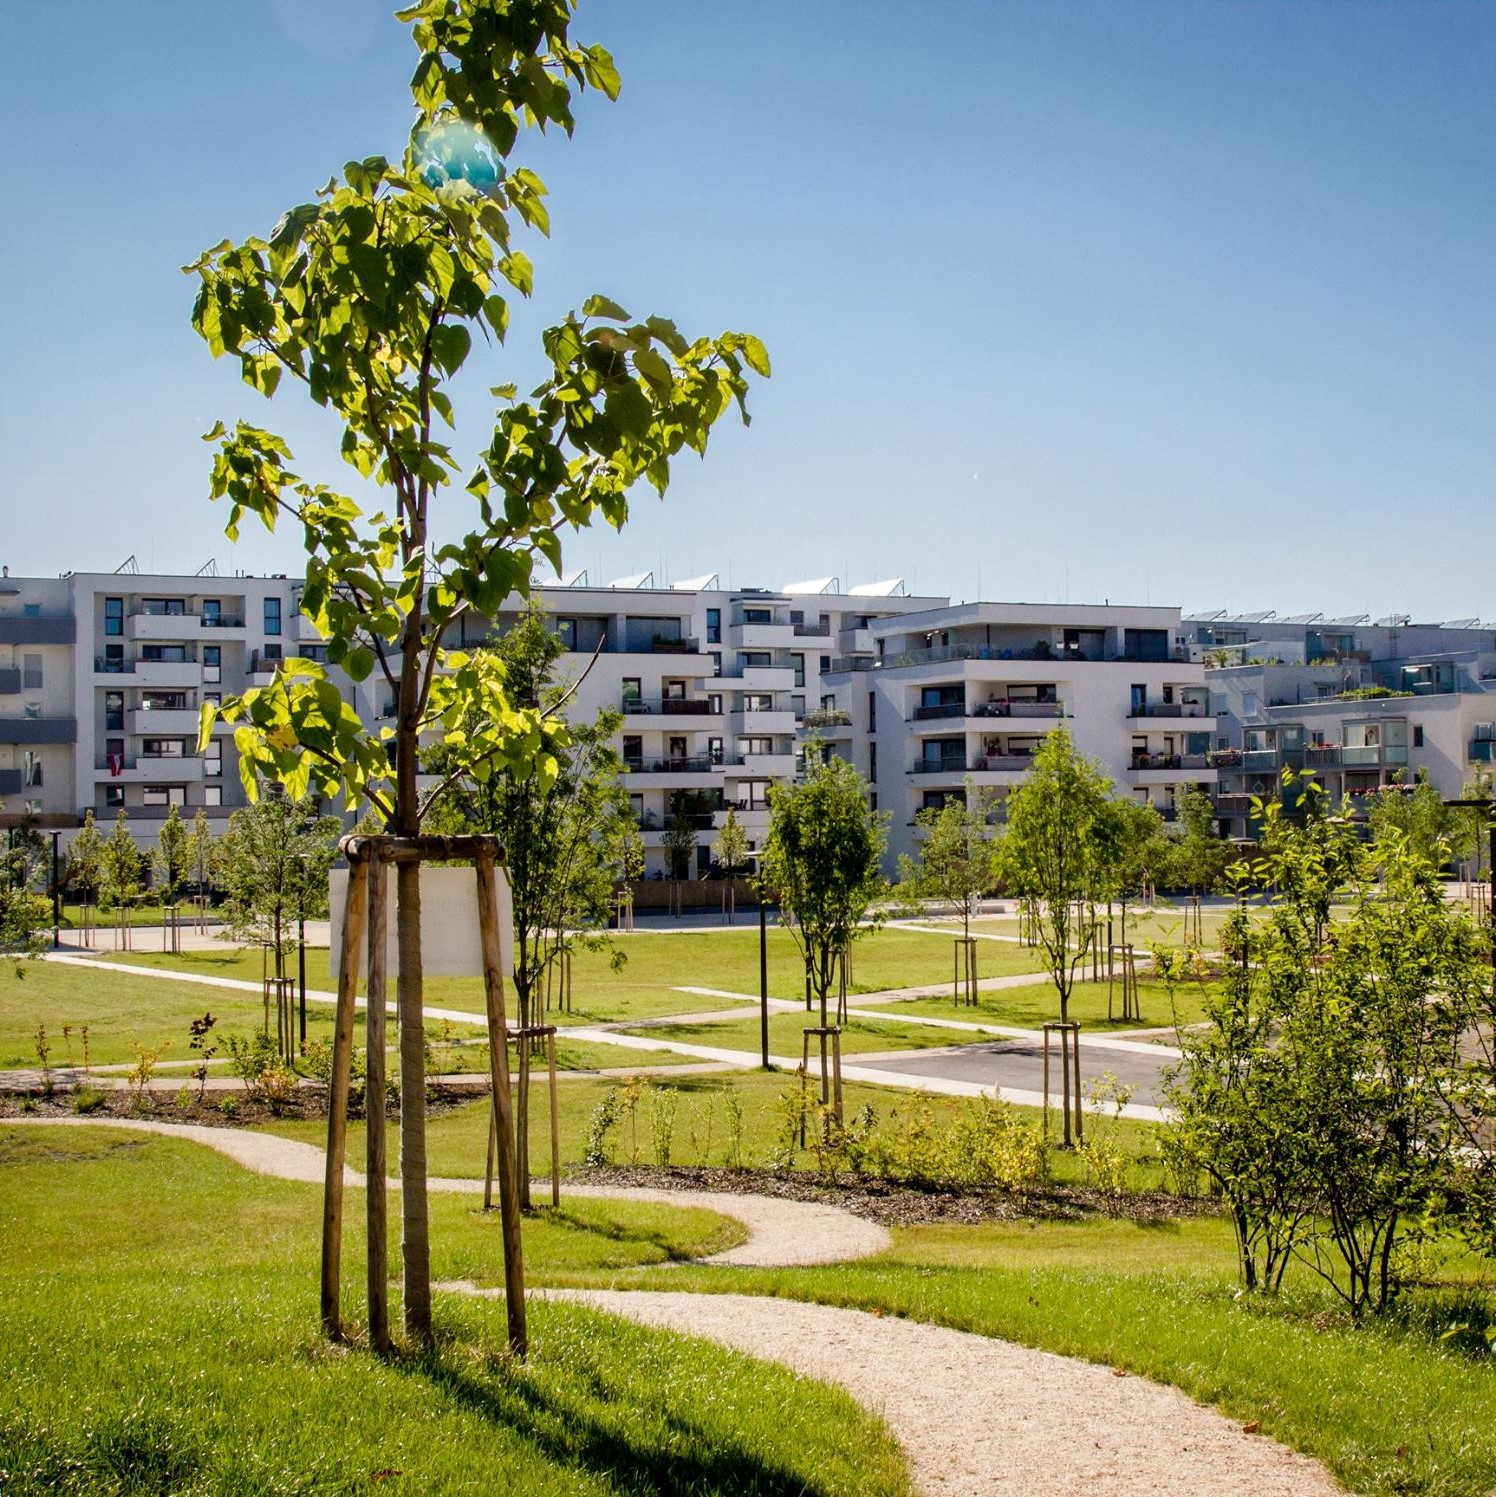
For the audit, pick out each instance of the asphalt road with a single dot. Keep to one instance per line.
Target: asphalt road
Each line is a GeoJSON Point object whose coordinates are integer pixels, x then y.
{"type": "Point", "coordinates": [1018, 1065]}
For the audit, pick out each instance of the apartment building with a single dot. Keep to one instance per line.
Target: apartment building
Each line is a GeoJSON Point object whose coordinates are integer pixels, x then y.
{"type": "Point", "coordinates": [103, 678]}
{"type": "Point", "coordinates": [714, 684]}
{"type": "Point", "coordinates": [968, 692]}
{"type": "Point", "coordinates": [1361, 704]}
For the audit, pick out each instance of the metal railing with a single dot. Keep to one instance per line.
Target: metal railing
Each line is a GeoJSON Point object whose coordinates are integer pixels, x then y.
{"type": "Point", "coordinates": [670, 707]}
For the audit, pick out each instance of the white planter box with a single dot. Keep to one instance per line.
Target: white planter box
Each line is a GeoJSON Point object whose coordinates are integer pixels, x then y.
{"type": "Point", "coordinates": [450, 943]}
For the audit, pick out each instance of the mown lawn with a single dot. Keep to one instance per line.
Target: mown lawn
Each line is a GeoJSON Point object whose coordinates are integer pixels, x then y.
{"type": "Point", "coordinates": [787, 1032]}
{"type": "Point", "coordinates": [1028, 1007]}
{"type": "Point", "coordinates": [657, 964]}
{"type": "Point", "coordinates": [174, 1346]}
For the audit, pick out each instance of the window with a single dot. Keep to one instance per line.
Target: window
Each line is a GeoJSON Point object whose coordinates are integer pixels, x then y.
{"type": "Point", "coordinates": [31, 610]}
{"type": "Point", "coordinates": [114, 748]}
{"type": "Point", "coordinates": [169, 607]}
{"type": "Point", "coordinates": [758, 701]}
{"type": "Point", "coordinates": [114, 617]}
{"type": "Point", "coordinates": [114, 659]}
{"type": "Point", "coordinates": [114, 795]}
{"type": "Point", "coordinates": [32, 711]}
{"type": "Point", "coordinates": [272, 616]}
{"type": "Point", "coordinates": [714, 626]}
{"type": "Point", "coordinates": [633, 750]}
{"type": "Point", "coordinates": [164, 795]}
{"type": "Point", "coordinates": [31, 771]}
{"type": "Point", "coordinates": [566, 633]}
{"type": "Point", "coordinates": [164, 654]}
{"type": "Point", "coordinates": [872, 710]}
{"type": "Point", "coordinates": [32, 807]}
{"type": "Point", "coordinates": [636, 807]}
{"type": "Point", "coordinates": [213, 663]}
{"type": "Point", "coordinates": [872, 762]}
{"type": "Point", "coordinates": [714, 750]}
{"type": "Point", "coordinates": [1417, 735]}
{"type": "Point", "coordinates": [212, 795]}
{"type": "Point", "coordinates": [114, 712]}
{"type": "Point", "coordinates": [163, 748]}
{"type": "Point", "coordinates": [1139, 701]}
{"type": "Point", "coordinates": [825, 664]}
{"type": "Point", "coordinates": [31, 672]}
{"type": "Point", "coordinates": [164, 701]}
{"type": "Point", "coordinates": [272, 652]}
{"type": "Point", "coordinates": [755, 745]}
{"type": "Point", "coordinates": [758, 616]}
{"type": "Point", "coordinates": [755, 795]}
{"type": "Point", "coordinates": [212, 613]}
{"type": "Point", "coordinates": [753, 658]}
{"type": "Point", "coordinates": [213, 760]}
{"type": "Point", "coordinates": [714, 704]}
{"type": "Point", "coordinates": [797, 662]}
{"type": "Point", "coordinates": [631, 691]}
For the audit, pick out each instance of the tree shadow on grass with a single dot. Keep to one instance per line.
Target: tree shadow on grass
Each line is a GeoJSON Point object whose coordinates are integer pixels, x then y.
{"type": "Point", "coordinates": [573, 1428]}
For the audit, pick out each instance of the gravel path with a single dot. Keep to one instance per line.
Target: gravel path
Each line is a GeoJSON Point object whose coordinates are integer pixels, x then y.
{"type": "Point", "coordinates": [781, 1233]}
{"type": "Point", "coordinates": [979, 1417]}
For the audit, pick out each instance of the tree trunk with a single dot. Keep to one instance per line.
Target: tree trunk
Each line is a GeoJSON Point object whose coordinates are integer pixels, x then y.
{"type": "Point", "coordinates": [415, 1239]}
{"type": "Point", "coordinates": [522, 1096]}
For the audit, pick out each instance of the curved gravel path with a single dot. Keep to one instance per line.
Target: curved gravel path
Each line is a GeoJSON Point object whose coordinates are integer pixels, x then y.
{"type": "Point", "coordinates": [979, 1417]}
{"type": "Point", "coordinates": [781, 1233]}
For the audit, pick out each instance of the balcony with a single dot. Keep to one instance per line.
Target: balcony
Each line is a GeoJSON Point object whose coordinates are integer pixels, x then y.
{"type": "Point", "coordinates": [37, 629]}
{"type": "Point", "coordinates": [1169, 709]}
{"type": "Point", "coordinates": [774, 766]}
{"type": "Point", "coordinates": [761, 678]}
{"type": "Point", "coordinates": [855, 642]}
{"type": "Point", "coordinates": [1233, 805]}
{"type": "Point", "coordinates": [154, 624]}
{"type": "Point", "coordinates": [152, 769]}
{"type": "Point", "coordinates": [760, 636]}
{"type": "Point", "coordinates": [1259, 759]}
{"type": "Point", "coordinates": [690, 764]}
{"type": "Point", "coordinates": [939, 710]}
{"type": "Point", "coordinates": [164, 722]}
{"type": "Point", "coordinates": [1170, 761]}
{"type": "Point", "coordinates": [1322, 756]}
{"type": "Point", "coordinates": [10, 682]}
{"type": "Point", "coordinates": [669, 707]}
{"type": "Point", "coordinates": [36, 730]}
{"type": "Point", "coordinates": [1003, 763]}
{"type": "Point", "coordinates": [1361, 755]}
{"type": "Point", "coordinates": [1018, 707]}
{"type": "Point", "coordinates": [829, 720]}
{"type": "Point", "coordinates": [819, 629]}
{"type": "Point", "coordinates": [950, 765]}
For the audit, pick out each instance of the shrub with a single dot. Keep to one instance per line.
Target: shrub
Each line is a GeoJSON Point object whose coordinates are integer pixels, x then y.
{"type": "Point", "coordinates": [597, 1151]}
{"type": "Point", "coordinates": [87, 1099]}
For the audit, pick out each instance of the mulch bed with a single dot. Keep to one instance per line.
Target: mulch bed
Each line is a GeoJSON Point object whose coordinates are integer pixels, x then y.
{"type": "Point", "coordinates": [895, 1205]}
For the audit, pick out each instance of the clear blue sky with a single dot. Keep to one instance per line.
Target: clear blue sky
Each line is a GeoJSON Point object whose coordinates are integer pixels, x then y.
{"type": "Point", "coordinates": [1189, 302]}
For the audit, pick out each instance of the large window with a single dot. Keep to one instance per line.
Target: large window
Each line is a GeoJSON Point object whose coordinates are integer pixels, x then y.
{"type": "Point", "coordinates": [714, 626]}
{"type": "Point", "coordinates": [212, 795]}
{"type": "Point", "coordinates": [114, 616]}
{"type": "Point", "coordinates": [31, 672]}
{"type": "Point", "coordinates": [212, 613]}
{"type": "Point", "coordinates": [31, 772]}
{"type": "Point", "coordinates": [114, 712]}
{"type": "Point", "coordinates": [212, 664]}
{"type": "Point", "coordinates": [272, 616]}
{"type": "Point", "coordinates": [164, 795]}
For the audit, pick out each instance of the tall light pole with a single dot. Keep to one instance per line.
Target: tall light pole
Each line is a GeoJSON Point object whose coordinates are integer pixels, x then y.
{"type": "Point", "coordinates": [763, 960]}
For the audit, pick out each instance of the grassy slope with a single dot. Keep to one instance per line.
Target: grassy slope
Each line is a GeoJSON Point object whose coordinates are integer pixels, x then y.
{"type": "Point", "coordinates": [1028, 1007]}
{"type": "Point", "coordinates": [176, 1346]}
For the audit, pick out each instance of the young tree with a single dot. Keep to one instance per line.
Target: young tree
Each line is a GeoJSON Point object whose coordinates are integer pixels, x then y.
{"type": "Point", "coordinates": [171, 856]}
{"type": "Point", "coordinates": [276, 856]}
{"type": "Point", "coordinates": [1053, 852]}
{"type": "Point", "coordinates": [85, 870]}
{"type": "Point", "coordinates": [23, 913]}
{"type": "Point", "coordinates": [1418, 814]}
{"type": "Point", "coordinates": [956, 862]}
{"type": "Point", "coordinates": [1471, 829]}
{"type": "Point", "coordinates": [679, 843]}
{"type": "Point", "coordinates": [371, 296]}
{"type": "Point", "coordinates": [822, 863]}
{"type": "Point", "coordinates": [1335, 1096]}
{"type": "Point", "coordinates": [558, 830]}
{"type": "Point", "coordinates": [1133, 849]}
{"type": "Point", "coordinates": [201, 852]}
{"type": "Point", "coordinates": [730, 850]}
{"type": "Point", "coordinates": [1199, 856]}
{"type": "Point", "coordinates": [121, 864]}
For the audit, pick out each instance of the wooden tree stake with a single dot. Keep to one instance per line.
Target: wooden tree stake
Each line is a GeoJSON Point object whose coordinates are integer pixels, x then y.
{"type": "Point", "coordinates": [375, 1166]}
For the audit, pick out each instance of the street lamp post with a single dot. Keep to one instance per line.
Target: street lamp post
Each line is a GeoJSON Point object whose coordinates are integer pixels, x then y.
{"type": "Point", "coordinates": [56, 893]}
{"type": "Point", "coordinates": [763, 962]}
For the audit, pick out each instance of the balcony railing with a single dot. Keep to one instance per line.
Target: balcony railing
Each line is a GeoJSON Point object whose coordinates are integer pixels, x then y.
{"type": "Point", "coordinates": [670, 707]}
{"type": "Point", "coordinates": [1233, 805]}
{"type": "Point", "coordinates": [939, 766]}
{"type": "Point", "coordinates": [938, 709]}
{"type": "Point", "coordinates": [1003, 762]}
{"type": "Point", "coordinates": [1259, 759]}
{"type": "Point", "coordinates": [1224, 758]}
{"type": "Point", "coordinates": [1169, 709]}
{"type": "Point", "coordinates": [819, 630]}
{"type": "Point", "coordinates": [827, 717]}
{"type": "Point", "coordinates": [1322, 756]}
{"type": "Point", "coordinates": [1361, 754]}
{"type": "Point", "coordinates": [691, 764]}
{"type": "Point", "coordinates": [1170, 761]}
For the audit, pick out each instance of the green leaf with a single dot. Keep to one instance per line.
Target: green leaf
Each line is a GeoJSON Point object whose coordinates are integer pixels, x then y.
{"type": "Point", "coordinates": [359, 663]}
{"type": "Point", "coordinates": [602, 306]}
{"type": "Point", "coordinates": [756, 354]}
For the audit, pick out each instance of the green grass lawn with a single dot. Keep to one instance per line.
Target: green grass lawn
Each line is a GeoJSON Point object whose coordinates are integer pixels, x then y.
{"type": "Point", "coordinates": [657, 964]}
{"type": "Point", "coordinates": [1028, 1007]}
{"type": "Point", "coordinates": [786, 1033]}
{"type": "Point", "coordinates": [119, 1010]}
{"type": "Point", "coordinates": [175, 1347]}
{"type": "Point", "coordinates": [1391, 1408]}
